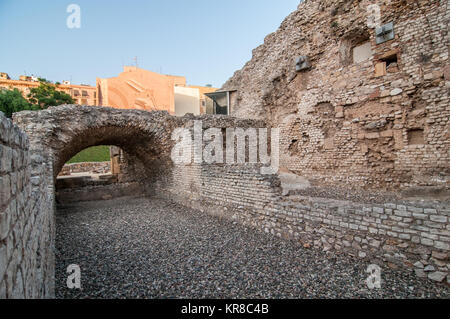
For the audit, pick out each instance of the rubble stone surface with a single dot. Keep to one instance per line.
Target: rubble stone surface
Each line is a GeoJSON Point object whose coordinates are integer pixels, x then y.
{"type": "Point", "coordinates": [154, 248]}
{"type": "Point", "coordinates": [344, 124]}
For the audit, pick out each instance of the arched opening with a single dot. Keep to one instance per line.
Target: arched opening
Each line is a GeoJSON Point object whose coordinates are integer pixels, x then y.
{"type": "Point", "coordinates": [144, 140]}
{"type": "Point", "coordinates": [135, 155]}
{"type": "Point", "coordinates": [100, 173]}
{"type": "Point", "coordinates": [137, 144]}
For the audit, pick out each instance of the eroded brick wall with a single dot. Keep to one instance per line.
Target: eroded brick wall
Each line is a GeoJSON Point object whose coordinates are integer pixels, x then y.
{"type": "Point", "coordinates": [26, 218]}
{"type": "Point", "coordinates": [224, 185]}
{"type": "Point", "coordinates": [413, 235]}
{"type": "Point", "coordinates": [347, 122]}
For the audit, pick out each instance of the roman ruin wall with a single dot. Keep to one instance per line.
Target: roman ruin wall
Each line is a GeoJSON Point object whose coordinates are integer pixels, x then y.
{"type": "Point", "coordinates": [363, 115]}
{"type": "Point", "coordinates": [413, 235]}
{"type": "Point", "coordinates": [87, 167]}
{"type": "Point", "coordinates": [27, 229]}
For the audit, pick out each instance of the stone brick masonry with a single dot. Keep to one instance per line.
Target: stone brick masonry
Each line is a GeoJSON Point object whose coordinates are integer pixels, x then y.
{"type": "Point", "coordinates": [26, 218]}
{"type": "Point", "coordinates": [378, 124]}
{"type": "Point", "coordinates": [90, 167]}
{"type": "Point", "coordinates": [413, 235]}
{"type": "Point", "coordinates": [344, 123]}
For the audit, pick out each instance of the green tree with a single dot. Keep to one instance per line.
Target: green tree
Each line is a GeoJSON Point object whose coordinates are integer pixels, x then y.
{"type": "Point", "coordinates": [47, 95]}
{"type": "Point", "coordinates": [12, 101]}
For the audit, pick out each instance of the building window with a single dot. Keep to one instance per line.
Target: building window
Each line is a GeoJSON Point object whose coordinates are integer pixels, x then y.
{"type": "Point", "coordinates": [221, 102]}
{"type": "Point", "coordinates": [85, 93]}
{"type": "Point", "coordinates": [76, 93]}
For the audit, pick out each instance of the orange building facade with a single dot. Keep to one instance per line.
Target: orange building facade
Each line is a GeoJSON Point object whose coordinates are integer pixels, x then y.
{"type": "Point", "coordinates": [82, 94]}
{"type": "Point", "coordinates": [134, 88]}
{"type": "Point", "coordinates": [137, 88]}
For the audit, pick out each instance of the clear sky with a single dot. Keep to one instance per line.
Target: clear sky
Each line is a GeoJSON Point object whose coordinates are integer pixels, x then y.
{"type": "Point", "coordinates": [204, 40]}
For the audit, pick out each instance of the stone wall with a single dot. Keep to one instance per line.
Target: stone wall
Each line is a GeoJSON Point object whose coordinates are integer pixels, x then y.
{"type": "Point", "coordinates": [384, 228]}
{"type": "Point", "coordinates": [26, 218]}
{"type": "Point", "coordinates": [377, 123]}
{"type": "Point", "coordinates": [239, 186]}
{"type": "Point", "coordinates": [87, 167]}
{"type": "Point", "coordinates": [412, 235]}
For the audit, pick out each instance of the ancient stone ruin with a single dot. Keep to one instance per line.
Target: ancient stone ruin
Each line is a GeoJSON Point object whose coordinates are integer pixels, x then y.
{"type": "Point", "coordinates": [364, 114]}
{"type": "Point", "coordinates": [364, 154]}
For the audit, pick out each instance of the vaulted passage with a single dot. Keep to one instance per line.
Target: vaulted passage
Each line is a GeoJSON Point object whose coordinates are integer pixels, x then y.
{"type": "Point", "coordinates": [58, 134]}
{"type": "Point", "coordinates": [66, 131]}
{"type": "Point", "coordinates": [101, 172]}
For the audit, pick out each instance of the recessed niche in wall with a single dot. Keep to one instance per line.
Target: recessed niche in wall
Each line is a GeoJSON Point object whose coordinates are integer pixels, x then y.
{"type": "Point", "coordinates": [387, 63]}
{"type": "Point", "coordinates": [416, 137]}
{"type": "Point", "coordinates": [390, 60]}
{"type": "Point", "coordinates": [355, 47]}
{"type": "Point", "coordinates": [362, 52]}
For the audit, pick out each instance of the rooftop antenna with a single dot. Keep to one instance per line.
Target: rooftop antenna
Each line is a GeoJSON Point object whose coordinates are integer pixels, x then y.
{"type": "Point", "coordinates": [136, 61]}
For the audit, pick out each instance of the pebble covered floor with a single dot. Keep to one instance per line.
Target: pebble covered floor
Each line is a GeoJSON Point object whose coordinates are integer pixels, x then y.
{"type": "Point", "coordinates": [151, 248]}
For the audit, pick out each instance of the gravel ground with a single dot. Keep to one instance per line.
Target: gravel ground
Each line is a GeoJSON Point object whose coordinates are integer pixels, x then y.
{"type": "Point", "coordinates": [150, 248]}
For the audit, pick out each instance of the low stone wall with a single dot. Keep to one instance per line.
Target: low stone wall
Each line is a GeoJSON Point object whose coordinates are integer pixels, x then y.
{"type": "Point", "coordinates": [84, 188]}
{"type": "Point", "coordinates": [26, 213]}
{"type": "Point", "coordinates": [414, 235]}
{"type": "Point", "coordinates": [88, 167]}
{"type": "Point", "coordinates": [240, 185]}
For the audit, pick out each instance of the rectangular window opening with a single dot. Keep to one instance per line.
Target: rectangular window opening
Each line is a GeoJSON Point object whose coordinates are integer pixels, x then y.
{"type": "Point", "coordinates": [390, 60]}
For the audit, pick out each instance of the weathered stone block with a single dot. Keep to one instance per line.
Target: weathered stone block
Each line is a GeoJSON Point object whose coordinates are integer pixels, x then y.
{"type": "Point", "coordinates": [441, 245]}
{"type": "Point", "coordinates": [427, 242]}
{"type": "Point", "coordinates": [438, 218]}
{"type": "Point", "coordinates": [437, 276]}
{"type": "Point", "coordinates": [5, 189]}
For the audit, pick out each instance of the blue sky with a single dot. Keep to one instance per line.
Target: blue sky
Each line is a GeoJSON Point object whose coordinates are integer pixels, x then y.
{"type": "Point", "coordinates": [204, 40]}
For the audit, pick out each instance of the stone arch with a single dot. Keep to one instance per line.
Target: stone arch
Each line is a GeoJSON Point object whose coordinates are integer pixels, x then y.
{"type": "Point", "coordinates": [54, 135]}
{"type": "Point", "coordinates": [58, 133]}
